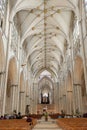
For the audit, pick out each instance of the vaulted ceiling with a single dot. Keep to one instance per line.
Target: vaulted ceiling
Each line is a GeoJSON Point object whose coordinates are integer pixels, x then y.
{"type": "Point", "coordinates": [44, 27]}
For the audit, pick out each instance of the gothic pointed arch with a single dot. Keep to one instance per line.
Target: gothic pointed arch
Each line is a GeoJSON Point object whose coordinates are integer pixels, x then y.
{"type": "Point", "coordinates": [12, 85]}
{"type": "Point", "coordinates": [79, 83]}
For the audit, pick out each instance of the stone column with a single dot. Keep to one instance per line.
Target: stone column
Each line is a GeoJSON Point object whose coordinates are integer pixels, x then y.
{"type": "Point", "coordinates": [31, 99]}
{"type": "Point", "coordinates": [27, 111]}
{"type": "Point", "coordinates": [27, 99]}
{"type": "Point", "coordinates": [56, 96]}
{"type": "Point", "coordinates": [64, 103]}
{"type": "Point", "coordinates": [39, 96]}
{"type": "Point", "coordinates": [64, 96]}
{"type": "Point", "coordinates": [59, 98]}
{"type": "Point", "coordinates": [1, 90]}
{"type": "Point", "coordinates": [60, 104]}
{"type": "Point", "coordinates": [6, 69]}
{"type": "Point", "coordinates": [16, 104]}
{"type": "Point", "coordinates": [78, 98]}
{"type": "Point", "coordinates": [59, 109]}
{"type": "Point", "coordinates": [34, 102]}
{"type": "Point", "coordinates": [69, 102]}
{"type": "Point", "coordinates": [53, 96]}
{"type": "Point", "coordinates": [83, 40]}
{"type": "Point", "coordinates": [1, 80]}
{"type": "Point", "coordinates": [33, 94]}
{"type": "Point", "coordinates": [22, 102]}
{"type": "Point", "coordinates": [50, 98]}
{"type": "Point", "coordinates": [35, 97]}
{"type": "Point", "coordinates": [14, 96]}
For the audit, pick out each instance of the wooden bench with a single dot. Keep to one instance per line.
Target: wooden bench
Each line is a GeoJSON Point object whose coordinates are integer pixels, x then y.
{"type": "Point", "coordinates": [56, 115]}
{"type": "Point", "coordinates": [73, 123]}
{"type": "Point", "coordinates": [37, 116]}
{"type": "Point", "coordinates": [15, 124]}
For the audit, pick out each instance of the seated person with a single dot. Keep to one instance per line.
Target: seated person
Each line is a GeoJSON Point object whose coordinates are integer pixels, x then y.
{"type": "Point", "coordinates": [6, 116]}
{"type": "Point", "coordinates": [14, 114]}
{"type": "Point", "coordinates": [24, 117]}
{"type": "Point", "coordinates": [29, 119]}
{"type": "Point", "coordinates": [85, 115]}
{"type": "Point", "coordinates": [1, 118]}
{"type": "Point", "coordinates": [19, 116]}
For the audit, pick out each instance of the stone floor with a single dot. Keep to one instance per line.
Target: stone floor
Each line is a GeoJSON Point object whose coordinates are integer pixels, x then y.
{"type": "Point", "coordinates": [46, 125]}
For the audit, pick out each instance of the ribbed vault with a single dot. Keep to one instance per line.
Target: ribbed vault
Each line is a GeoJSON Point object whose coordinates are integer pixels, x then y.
{"type": "Point", "coordinates": [45, 27]}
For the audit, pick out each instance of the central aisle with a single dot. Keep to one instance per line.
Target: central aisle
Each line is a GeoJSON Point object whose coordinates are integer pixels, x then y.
{"type": "Point", "coordinates": [46, 125]}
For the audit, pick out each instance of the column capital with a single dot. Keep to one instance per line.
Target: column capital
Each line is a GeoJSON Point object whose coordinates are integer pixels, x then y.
{"type": "Point", "coordinates": [76, 84]}
{"type": "Point", "coordinates": [2, 72]}
{"type": "Point", "coordinates": [27, 95]}
{"type": "Point", "coordinates": [14, 85]}
{"type": "Point", "coordinates": [69, 91]}
{"type": "Point", "coordinates": [10, 22]}
{"type": "Point", "coordinates": [60, 98]}
{"type": "Point", "coordinates": [22, 91]}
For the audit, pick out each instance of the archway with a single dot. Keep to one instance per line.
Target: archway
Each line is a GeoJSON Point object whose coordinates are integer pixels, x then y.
{"type": "Point", "coordinates": [46, 86]}
{"type": "Point", "coordinates": [12, 87]}
{"type": "Point", "coordinates": [79, 85]}
{"type": "Point", "coordinates": [46, 92]}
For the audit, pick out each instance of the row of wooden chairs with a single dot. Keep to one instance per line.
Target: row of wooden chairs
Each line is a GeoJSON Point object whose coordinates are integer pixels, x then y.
{"type": "Point", "coordinates": [56, 115]}
{"type": "Point", "coordinates": [15, 124]}
{"type": "Point", "coordinates": [73, 123]}
{"type": "Point", "coordinates": [37, 116]}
